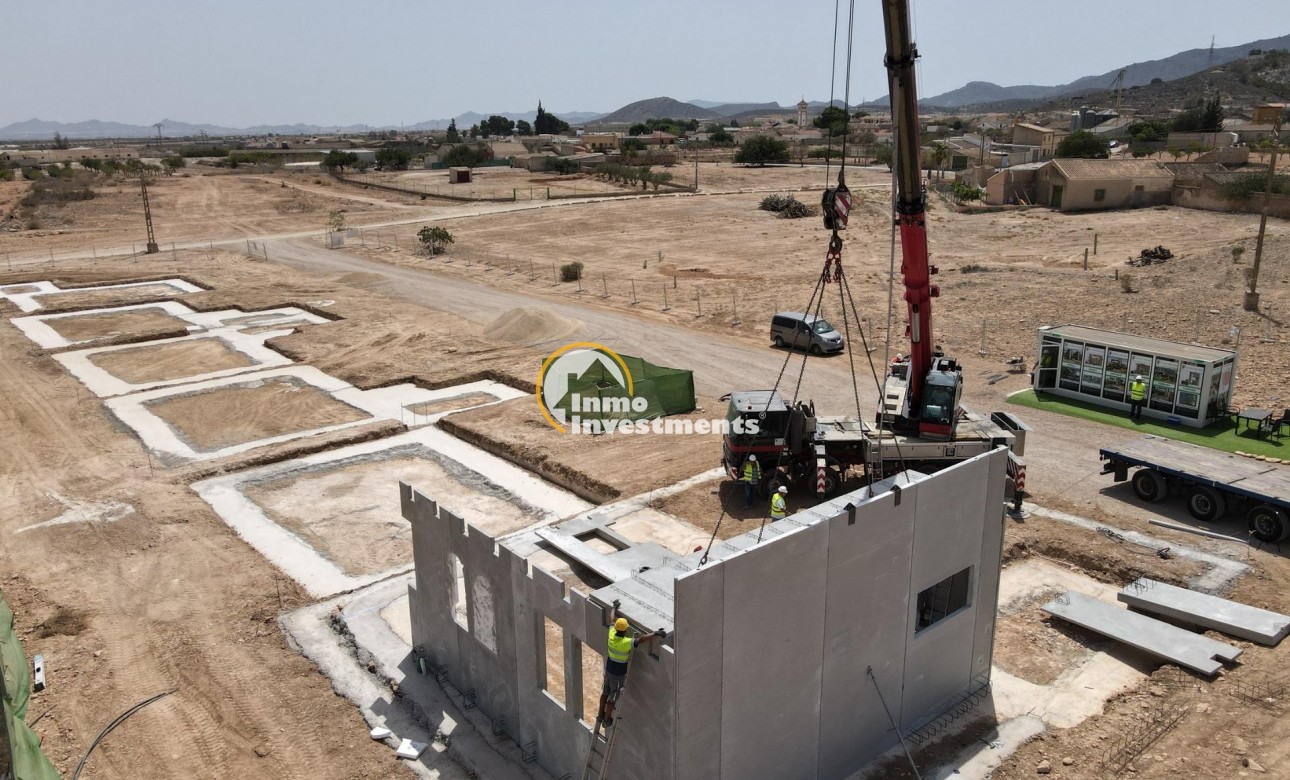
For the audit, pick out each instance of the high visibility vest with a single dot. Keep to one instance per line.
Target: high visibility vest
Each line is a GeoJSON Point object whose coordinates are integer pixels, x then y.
{"type": "Point", "coordinates": [750, 471]}
{"type": "Point", "coordinates": [620, 647]}
{"type": "Point", "coordinates": [1138, 390]}
{"type": "Point", "coordinates": [778, 509]}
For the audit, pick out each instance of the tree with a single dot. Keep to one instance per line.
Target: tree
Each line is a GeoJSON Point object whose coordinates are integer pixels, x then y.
{"type": "Point", "coordinates": [762, 149]}
{"type": "Point", "coordinates": [172, 164]}
{"type": "Point", "coordinates": [940, 153]}
{"type": "Point", "coordinates": [392, 158]}
{"type": "Point", "coordinates": [336, 160]}
{"type": "Point", "coordinates": [468, 155]}
{"type": "Point", "coordinates": [1082, 143]}
{"type": "Point", "coordinates": [833, 119]}
{"type": "Point", "coordinates": [497, 125]}
{"type": "Point", "coordinates": [630, 146]}
{"type": "Point", "coordinates": [434, 238]}
{"type": "Point", "coordinates": [548, 124]}
{"type": "Point", "coordinates": [522, 127]}
{"type": "Point", "coordinates": [453, 136]}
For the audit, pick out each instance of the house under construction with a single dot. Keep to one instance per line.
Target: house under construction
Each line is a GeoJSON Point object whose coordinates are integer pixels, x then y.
{"type": "Point", "coordinates": [793, 651]}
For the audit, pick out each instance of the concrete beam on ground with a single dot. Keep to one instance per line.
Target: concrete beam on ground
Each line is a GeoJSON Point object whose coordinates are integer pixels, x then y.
{"type": "Point", "coordinates": [1194, 651]}
{"type": "Point", "coordinates": [1202, 609]}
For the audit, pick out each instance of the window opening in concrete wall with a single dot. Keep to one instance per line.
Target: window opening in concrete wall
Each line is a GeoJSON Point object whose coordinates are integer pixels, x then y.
{"type": "Point", "coordinates": [943, 599]}
{"type": "Point", "coordinates": [552, 676]}
{"type": "Point", "coordinates": [593, 679]}
{"type": "Point", "coordinates": [458, 591]}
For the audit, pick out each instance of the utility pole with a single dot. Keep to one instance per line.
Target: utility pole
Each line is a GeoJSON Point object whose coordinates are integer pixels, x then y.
{"type": "Point", "coordinates": [1252, 293]}
{"type": "Point", "coordinates": [147, 215]}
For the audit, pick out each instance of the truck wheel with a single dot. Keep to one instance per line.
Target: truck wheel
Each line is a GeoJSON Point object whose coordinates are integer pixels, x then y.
{"type": "Point", "coordinates": [1206, 503]}
{"type": "Point", "coordinates": [1149, 484]}
{"type": "Point", "coordinates": [1268, 524]}
{"type": "Point", "coordinates": [832, 481]}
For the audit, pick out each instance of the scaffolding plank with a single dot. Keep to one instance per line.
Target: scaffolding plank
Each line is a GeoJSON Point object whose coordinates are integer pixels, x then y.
{"type": "Point", "coordinates": [1171, 643]}
{"type": "Point", "coordinates": [1219, 614]}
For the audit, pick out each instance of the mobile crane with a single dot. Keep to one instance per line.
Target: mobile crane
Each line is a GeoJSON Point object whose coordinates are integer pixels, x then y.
{"type": "Point", "coordinates": [920, 423]}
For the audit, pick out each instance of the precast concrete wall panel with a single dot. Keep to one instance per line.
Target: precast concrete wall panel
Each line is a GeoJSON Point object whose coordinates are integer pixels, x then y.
{"type": "Point", "coordinates": [700, 611]}
{"type": "Point", "coordinates": [987, 591]}
{"type": "Point", "coordinates": [947, 539]}
{"type": "Point", "coordinates": [773, 639]}
{"type": "Point", "coordinates": [866, 612]}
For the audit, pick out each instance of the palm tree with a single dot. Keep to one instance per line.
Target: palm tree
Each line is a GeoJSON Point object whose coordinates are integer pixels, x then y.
{"type": "Point", "coordinates": [940, 153]}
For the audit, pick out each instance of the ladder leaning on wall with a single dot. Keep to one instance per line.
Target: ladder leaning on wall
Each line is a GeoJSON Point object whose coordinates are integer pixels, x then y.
{"type": "Point", "coordinates": [603, 735]}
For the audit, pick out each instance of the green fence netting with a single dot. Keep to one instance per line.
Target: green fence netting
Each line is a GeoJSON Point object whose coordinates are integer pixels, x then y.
{"type": "Point", "coordinates": [20, 756]}
{"type": "Point", "coordinates": [665, 391]}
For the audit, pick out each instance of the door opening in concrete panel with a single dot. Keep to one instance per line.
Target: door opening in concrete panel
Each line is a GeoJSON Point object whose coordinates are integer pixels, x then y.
{"type": "Point", "coordinates": [458, 591]}
{"type": "Point", "coordinates": [552, 676]}
{"type": "Point", "coordinates": [593, 679]}
{"type": "Point", "coordinates": [943, 599]}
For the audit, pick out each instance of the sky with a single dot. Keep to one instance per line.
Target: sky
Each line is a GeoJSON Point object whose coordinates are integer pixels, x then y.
{"type": "Point", "coordinates": [391, 62]}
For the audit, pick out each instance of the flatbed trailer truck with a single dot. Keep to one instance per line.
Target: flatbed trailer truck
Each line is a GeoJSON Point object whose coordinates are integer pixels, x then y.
{"type": "Point", "coordinates": [1213, 483]}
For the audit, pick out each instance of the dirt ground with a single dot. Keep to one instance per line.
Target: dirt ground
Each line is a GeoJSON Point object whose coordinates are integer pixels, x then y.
{"type": "Point", "coordinates": [236, 414]}
{"type": "Point", "coordinates": [135, 322]}
{"type": "Point", "coordinates": [168, 597]}
{"type": "Point", "coordinates": [138, 365]}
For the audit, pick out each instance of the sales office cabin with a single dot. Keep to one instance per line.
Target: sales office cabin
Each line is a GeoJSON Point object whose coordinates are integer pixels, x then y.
{"type": "Point", "coordinates": [1186, 384]}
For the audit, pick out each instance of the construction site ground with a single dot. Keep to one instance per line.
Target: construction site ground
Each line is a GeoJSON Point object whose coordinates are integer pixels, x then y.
{"type": "Point", "coordinates": [140, 587]}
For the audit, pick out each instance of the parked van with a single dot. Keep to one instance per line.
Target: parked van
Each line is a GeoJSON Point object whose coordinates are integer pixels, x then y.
{"type": "Point", "coordinates": [804, 331]}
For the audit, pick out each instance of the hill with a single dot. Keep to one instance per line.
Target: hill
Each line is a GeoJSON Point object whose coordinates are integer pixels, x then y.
{"type": "Point", "coordinates": [657, 108]}
{"type": "Point", "coordinates": [1138, 74]}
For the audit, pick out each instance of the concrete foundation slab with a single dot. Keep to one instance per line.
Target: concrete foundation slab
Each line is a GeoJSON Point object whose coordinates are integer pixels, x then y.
{"type": "Point", "coordinates": [1202, 609]}
{"type": "Point", "coordinates": [26, 296]}
{"type": "Point", "coordinates": [297, 550]}
{"type": "Point", "coordinates": [1196, 652]}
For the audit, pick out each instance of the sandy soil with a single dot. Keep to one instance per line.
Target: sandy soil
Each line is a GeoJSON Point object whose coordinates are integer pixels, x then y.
{"type": "Point", "coordinates": [138, 365]}
{"type": "Point", "coordinates": [449, 404]}
{"type": "Point", "coordinates": [135, 322]}
{"type": "Point", "coordinates": [171, 598]}
{"type": "Point", "coordinates": [89, 299]}
{"type": "Point", "coordinates": [236, 414]}
{"type": "Point", "coordinates": [189, 207]}
{"type": "Point", "coordinates": [351, 512]}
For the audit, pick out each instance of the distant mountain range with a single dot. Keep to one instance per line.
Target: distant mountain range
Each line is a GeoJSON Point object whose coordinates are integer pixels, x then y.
{"type": "Point", "coordinates": [978, 94]}
{"type": "Point", "coordinates": [1138, 74]}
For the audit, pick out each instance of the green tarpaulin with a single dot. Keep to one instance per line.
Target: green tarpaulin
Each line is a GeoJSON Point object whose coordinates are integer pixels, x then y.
{"type": "Point", "coordinates": [664, 390]}
{"type": "Point", "coordinates": [20, 756]}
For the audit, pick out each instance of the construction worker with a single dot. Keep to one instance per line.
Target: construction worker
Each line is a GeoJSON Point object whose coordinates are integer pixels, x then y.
{"type": "Point", "coordinates": [1137, 394]}
{"type": "Point", "coordinates": [778, 504]}
{"type": "Point", "coordinates": [750, 477]}
{"type": "Point", "coordinates": [621, 645]}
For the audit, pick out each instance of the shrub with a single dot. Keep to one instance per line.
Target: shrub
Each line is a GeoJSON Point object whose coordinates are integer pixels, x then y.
{"type": "Point", "coordinates": [571, 272]}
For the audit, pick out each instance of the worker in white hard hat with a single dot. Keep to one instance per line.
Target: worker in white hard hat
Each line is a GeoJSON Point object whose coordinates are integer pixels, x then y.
{"type": "Point", "coordinates": [778, 504]}
{"type": "Point", "coordinates": [1137, 394]}
{"type": "Point", "coordinates": [751, 477]}
{"type": "Point", "coordinates": [619, 653]}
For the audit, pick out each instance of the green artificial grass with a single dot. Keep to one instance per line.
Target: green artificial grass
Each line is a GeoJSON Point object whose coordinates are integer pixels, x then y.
{"type": "Point", "coordinates": [1219, 436]}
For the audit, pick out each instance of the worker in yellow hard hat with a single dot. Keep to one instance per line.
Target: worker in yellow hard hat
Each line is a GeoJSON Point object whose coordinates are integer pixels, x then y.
{"type": "Point", "coordinates": [619, 653]}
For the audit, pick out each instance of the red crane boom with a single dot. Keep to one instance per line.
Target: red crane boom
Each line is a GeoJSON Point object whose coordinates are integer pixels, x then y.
{"type": "Point", "coordinates": [931, 383]}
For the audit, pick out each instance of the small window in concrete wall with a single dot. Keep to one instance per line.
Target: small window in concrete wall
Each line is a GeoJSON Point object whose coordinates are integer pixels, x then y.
{"type": "Point", "coordinates": [943, 599]}
{"type": "Point", "coordinates": [552, 675]}
{"type": "Point", "coordinates": [481, 597]}
{"type": "Point", "coordinates": [593, 679]}
{"type": "Point", "coordinates": [458, 591]}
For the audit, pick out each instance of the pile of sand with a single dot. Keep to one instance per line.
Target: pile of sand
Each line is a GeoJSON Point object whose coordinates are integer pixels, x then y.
{"type": "Point", "coordinates": [530, 325]}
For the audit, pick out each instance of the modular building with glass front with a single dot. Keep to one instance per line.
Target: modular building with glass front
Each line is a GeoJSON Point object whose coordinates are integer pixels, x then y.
{"type": "Point", "coordinates": [1186, 384]}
